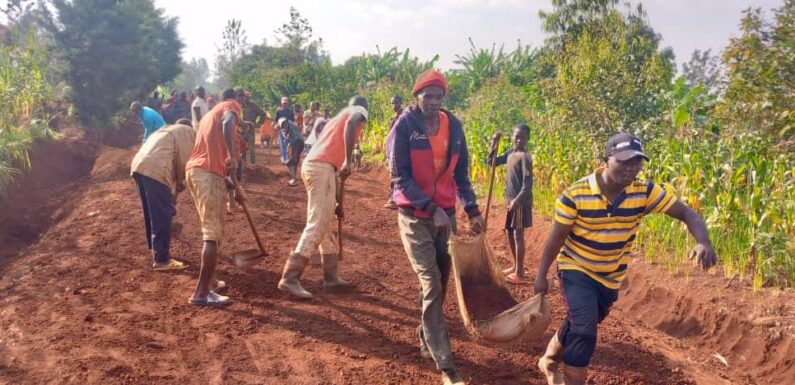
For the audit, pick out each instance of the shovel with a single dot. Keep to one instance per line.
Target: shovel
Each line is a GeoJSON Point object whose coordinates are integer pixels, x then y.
{"type": "Point", "coordinates": [340, 194]}
{"type": "Point", "coordinates": [495, 141]}
{"type": "Point", "coordinates": [247, 258]}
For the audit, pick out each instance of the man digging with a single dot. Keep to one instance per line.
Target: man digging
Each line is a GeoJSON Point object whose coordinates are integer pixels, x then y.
{"type": "Point", "coordinates": [331, 155]}
{"type": "Point", "coordinates": [596, 220]}
{"type": "Point", "coordinates": [158, 169]}
{"type": "Point", "coordinates": [212, 155]}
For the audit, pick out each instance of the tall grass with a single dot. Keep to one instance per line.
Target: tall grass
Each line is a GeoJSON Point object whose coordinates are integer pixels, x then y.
{"type": "Point", "coordinates": [741, 183]}
{"type": "Point", "coordinates": [23, 91]}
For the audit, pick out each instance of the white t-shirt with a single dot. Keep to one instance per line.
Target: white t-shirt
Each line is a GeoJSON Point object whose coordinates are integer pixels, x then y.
{"type": "Point", "coordinates": [204, 108]}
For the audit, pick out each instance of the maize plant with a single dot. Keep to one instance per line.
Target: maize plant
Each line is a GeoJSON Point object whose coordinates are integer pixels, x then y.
{"type": "Point", "coordinates": [23, 90]}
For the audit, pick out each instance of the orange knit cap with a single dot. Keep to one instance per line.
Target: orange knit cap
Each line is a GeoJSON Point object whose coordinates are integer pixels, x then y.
{"type": "Point", "coordinates": [430, 78]}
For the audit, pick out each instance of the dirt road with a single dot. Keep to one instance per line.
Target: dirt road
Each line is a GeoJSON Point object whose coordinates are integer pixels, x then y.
{"type": "Point", "coordinates": [81, 305]}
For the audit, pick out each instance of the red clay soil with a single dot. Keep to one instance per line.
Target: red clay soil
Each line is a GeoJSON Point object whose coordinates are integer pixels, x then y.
{"type": "Point", "coordinates": [80, 303]}
{"type": "Point", "coordinates": [486, 300]}
{"type": "Point", "coordinates": [43, 194]}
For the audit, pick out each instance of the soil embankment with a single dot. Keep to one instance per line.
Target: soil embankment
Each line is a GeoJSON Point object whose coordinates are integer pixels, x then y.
{"type": "Point", "coordinates": [81, 305]}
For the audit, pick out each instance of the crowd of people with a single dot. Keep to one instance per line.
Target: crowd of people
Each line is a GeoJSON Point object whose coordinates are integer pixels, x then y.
{"type": "Point", "coordinates": [596, 218]}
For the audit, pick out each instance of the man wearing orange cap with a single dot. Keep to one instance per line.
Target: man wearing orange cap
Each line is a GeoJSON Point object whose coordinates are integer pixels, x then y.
{"type": "Point", "coordinates": [430, 167]}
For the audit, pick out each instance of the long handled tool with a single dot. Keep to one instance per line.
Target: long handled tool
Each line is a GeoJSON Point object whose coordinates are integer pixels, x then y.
{"type": "Point", "coordinates": [247, 258]}
{"type": "Point", "coordinates": [340, 195]}
{"type": "Point", "coordinates": [495, 141]}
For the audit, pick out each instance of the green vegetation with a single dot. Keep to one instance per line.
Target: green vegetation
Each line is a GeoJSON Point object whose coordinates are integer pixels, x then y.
{"type": "Point", "coordinates": [112, 52]}
{"type": "Point", "coordinates": [90, 57]}
{"type": "Point", "coordinates": [720, 135]}
{"type": "Point", "coordinates": [24, 91]}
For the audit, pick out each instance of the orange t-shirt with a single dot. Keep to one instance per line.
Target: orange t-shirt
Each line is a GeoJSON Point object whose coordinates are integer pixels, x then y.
{"type": "Point", "coordinates": [267, 127]}
{"type": "Point", "coordinates": [266, 130]}
{"type": "Point", "coordinates": [209, 150]}
{"type": "Point", "coordinates": [299, 120]}
{"type": "Point", "coordinates": [330, 145]}
{"type": "Point", "coordinates": [440, 143]}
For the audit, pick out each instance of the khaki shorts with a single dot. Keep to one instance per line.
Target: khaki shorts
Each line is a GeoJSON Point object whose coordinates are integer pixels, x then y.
{"type": "Point", "coordinates": [209, 193]}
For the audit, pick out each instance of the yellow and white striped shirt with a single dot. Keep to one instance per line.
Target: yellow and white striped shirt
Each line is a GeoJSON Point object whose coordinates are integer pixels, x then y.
{"type": "Point", "coordinates": [600, 241]}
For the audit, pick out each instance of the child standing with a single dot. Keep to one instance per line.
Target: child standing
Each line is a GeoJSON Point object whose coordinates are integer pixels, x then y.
{"type": "Point", "coordinates": [519, 197]}
{"type": "Point", "coordinates": [357, 157]}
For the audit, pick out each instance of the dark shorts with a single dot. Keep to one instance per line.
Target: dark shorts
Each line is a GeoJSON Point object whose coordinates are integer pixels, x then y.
{"type": "Point", "coordinates": [520, 218]}
{"type": "Point", "coordinates": [588, 303]}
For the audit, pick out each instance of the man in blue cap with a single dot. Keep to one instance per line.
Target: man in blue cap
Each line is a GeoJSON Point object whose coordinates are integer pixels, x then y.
{"type": "Point", "coordinates": [596, 220]}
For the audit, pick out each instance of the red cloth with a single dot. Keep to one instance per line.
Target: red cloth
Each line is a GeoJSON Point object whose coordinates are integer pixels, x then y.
{"type": "Point", "coordinates": [430, 78]}
{"type": "Point", "coordinates": [209, 150]}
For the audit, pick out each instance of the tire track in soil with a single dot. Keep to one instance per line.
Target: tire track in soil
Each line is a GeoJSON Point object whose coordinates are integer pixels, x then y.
{"type": "Point", "coordinates": [82, 306]}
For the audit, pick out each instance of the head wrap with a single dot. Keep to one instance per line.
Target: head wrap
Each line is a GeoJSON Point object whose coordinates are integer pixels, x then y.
{"type": "Point", "coordinates": [430, 78]}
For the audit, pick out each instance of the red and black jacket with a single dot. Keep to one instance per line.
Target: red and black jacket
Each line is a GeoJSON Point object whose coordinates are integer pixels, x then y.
{"type": "Point", "coordinates": [417, 191]}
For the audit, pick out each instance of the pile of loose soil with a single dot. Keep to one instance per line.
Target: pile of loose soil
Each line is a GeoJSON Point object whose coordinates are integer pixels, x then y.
{"type": "Point", "coordinates": [486, 300]}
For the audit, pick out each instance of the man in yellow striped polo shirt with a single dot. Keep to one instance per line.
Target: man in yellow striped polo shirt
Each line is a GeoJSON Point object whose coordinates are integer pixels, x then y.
{"type": "Point", "coordinates": [596, 220]}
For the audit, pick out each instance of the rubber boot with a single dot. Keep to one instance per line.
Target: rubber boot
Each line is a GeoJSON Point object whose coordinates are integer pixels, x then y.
{"type": "Point", "coordinates": [549, 363]}
{"type": "Point", "coordinates": [574, 375]}
{"type": "Point", "coordinates": [330, 267]}
{"type": "Point", "coordinates": [293, 269]}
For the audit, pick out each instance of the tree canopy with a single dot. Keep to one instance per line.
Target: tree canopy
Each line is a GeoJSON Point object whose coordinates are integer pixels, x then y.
{"type": "Point", "coordinates": [113, 52]}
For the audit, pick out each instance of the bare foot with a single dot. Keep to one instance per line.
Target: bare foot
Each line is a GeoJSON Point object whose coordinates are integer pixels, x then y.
{"type": "Point", "coordinates": [516, 279]}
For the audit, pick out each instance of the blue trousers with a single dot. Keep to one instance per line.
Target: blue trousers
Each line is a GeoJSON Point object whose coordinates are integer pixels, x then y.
{"type": "Point", "coordinates": [159, 211]}
{"type": "Point", "coordinates": [588, 304]}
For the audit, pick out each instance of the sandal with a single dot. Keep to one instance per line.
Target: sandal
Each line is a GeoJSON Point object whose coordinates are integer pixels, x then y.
{"type": "Point", "coordinates": [172, 264]}
{"type": "Point", "coordinates": [213, 299]}
{"type": "Point", "coordinates": [516, 280]}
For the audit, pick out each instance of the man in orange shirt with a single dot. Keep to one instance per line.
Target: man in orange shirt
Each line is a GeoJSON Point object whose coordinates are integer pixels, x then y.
{"type": "Point", "coordinates": [331, 154]}
{"type": "Point", "coordinates": [212, 155]}
{"type": "Point", "coordinates": [430, 168]}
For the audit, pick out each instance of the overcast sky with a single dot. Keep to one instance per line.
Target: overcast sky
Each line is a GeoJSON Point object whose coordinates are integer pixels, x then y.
{"type": "Point", "coordinates": [429, 27]}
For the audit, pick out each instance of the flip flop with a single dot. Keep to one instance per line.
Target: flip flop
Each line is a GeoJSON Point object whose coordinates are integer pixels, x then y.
{"type": "Point", "coordinates": [213, 299]}
{"type": "Point", "coordinates": [514, 279]}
